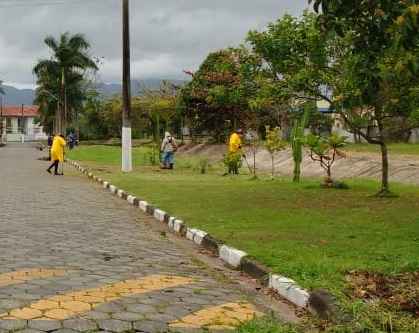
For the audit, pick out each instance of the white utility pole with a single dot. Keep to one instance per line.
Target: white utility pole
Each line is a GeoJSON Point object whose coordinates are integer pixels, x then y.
{"type": "Point", "coordinates": [126, 92]}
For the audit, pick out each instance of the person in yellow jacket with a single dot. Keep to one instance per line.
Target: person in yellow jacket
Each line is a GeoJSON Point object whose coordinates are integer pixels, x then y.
{"type": "Point", "coordinates": [235, 142]}
{"type": "Point", "coordinates": [57, 153]}
{"type": "Point", "coordinates": [235, 151]}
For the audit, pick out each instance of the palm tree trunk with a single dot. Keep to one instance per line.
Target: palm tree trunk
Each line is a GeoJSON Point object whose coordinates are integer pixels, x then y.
{"type": "Point", "coordinates": [64, 103]}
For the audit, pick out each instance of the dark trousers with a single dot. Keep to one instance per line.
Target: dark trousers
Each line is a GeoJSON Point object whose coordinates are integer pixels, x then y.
{"type": "Point", "coordinates": [55, 165]}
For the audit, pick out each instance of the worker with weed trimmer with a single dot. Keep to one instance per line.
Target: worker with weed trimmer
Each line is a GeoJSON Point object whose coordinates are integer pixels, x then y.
{"type": "Point", "coordinates": [235, 153]}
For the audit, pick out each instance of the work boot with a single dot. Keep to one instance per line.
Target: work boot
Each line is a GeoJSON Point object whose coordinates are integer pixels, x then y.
{"type": "Point", "coordinates": [171, 166]}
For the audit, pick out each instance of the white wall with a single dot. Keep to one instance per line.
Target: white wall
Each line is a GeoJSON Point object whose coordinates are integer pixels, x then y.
{"type": "Point", "coordinates": [33, 132]}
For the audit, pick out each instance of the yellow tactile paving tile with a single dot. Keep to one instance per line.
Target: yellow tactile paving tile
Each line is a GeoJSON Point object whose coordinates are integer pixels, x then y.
{"type": "Point", "coordinates": [69, 305]}
{"type": "Point", "coordinates": [222, 317]}
{"type": "Point", "coordinates": [19, 277]}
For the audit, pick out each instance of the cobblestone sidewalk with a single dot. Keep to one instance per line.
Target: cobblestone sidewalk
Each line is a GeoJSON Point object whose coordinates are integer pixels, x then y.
{"type": "Point", "coordinates": [73, 259]}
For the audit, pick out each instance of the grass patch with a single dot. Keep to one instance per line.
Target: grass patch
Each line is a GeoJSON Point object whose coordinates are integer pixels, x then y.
{"type": "Point", "coordinates": [313, 235]}
{"type": "Point", "coordinates": [266, 325]}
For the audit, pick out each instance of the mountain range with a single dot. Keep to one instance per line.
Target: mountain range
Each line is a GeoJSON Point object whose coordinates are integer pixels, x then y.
{"type": "Point", "coordinates": [14, 96]}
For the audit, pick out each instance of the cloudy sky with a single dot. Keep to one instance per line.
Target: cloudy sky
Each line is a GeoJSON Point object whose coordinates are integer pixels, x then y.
{"type": "Point", "coordinates": [168, 36]}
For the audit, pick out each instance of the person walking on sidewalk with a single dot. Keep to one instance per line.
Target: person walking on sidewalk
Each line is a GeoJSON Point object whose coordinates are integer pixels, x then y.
{"type": "Point", "coordinates": [57, 154]}
{"type": "Point", "coordinates": [168, 149]}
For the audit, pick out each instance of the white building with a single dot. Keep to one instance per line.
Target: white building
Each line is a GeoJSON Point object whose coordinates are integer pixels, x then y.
{"type": "Point", "coordinates": [18, 124]}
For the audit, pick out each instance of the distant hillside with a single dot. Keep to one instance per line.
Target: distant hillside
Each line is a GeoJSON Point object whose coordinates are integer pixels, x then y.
{"type": "Point", "coordinates": [111, 89]}
{"type": "Point", "coordinates": [14, 96]}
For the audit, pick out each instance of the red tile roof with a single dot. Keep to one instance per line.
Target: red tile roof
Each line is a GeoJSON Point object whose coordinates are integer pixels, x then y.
{"type": "Point", "coordinates": [16, 111]}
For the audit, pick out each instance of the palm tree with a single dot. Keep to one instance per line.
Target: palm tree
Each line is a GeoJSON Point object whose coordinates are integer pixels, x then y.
{"type": "Point", "coordinates": [64, 70]}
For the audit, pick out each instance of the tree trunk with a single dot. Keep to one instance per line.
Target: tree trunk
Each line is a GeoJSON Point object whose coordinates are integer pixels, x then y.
{"type": "Point", "coordinates": [61, 128]}
{"type": "Point", "coordinates": [254, 160]}
{"type": "Point", "coordinates": [158, 129]}
{"type": "Point", "coordinates": [297, 172]}
{"type": "Point", "coordinates": [385, 188]}
{"type": "Point", "coordinates": [273, 166]}
{"type": "Point", "coordinates": [329, 175]}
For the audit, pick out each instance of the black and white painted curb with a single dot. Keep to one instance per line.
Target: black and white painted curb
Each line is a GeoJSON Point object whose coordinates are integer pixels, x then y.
{"type": "Point", "coordinates": [234, 258]}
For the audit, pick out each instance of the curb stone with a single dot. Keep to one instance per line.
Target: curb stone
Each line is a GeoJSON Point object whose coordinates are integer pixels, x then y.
{"type": "Point", "coordinates": [131, 199]}
{"type": "Point", "coordinates": [113, 189]}
{"type": "Point", "coordinates": [289, 289]}
{"type": "Point", "coordinates": [159, 215]}
{"type": "Point", "coordinates": [325, 305]}
{"type": "Point", "coordinates": [235, 258]}
{"type": "Point", "coordinates": [255, 270]}
{"type": "Point", "coordinates": [143, 206]}
{"type": "Point", "coordinates": [232, 256]}
{"type": "Point", "coordinates": [211, 244]}
{"type": "Point", "coordinates": [195, 235]}
{"type": "Point", "coordinates": [150, 210]}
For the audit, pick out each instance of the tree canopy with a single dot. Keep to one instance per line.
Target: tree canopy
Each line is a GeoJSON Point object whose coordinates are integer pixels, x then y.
{"type": "Point", "coordinates": [60, 79]}
{"type": "Point", "coordinates": [220, 91]}
{"type": "Point", "coordinates": [380, 67]}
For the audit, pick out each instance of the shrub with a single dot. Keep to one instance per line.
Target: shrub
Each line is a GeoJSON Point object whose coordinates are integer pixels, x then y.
{"type": "Point", "coordinates": [233, 162]}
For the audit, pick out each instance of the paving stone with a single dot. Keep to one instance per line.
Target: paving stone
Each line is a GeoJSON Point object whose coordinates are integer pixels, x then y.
{"type": "Point", "coordinates": [128, 316]}
{"type": "Point", "coordinates": [99, 240]}
{"type": "Point", "coordinates": [162, 317]}
{"type": "Point", "coordinates": [95, 315]}
{"type": "Point", "coordinates": [10, 303]}
{"type": "Point", "coordinates": [141, 308]}
{"type": "Point", "coordinates": [81, 325]}
{"type": "Point", "coordinates": [44, 325]}
{"type": "Point", "coordinates": [114, 325]}
{"type": "Point", "coordinates": [65, 330]}
{"type": "Point", "coordinates": [13, 325]}
{"type": "Point", "coordinates": [29, 330]}
{"type": "Point", "coordinates": [109, 308]}
{"type": "Point", "coordinates": [150, 327]}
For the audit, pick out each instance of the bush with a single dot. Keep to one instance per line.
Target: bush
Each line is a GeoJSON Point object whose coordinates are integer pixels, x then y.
{"type": "Point", "coordinates": [233, 162]}
{"type": "Point", "coordinates": [153, 155]}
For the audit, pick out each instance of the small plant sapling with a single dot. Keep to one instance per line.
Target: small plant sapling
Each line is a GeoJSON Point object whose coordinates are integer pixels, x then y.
{"type": "Point", "coordinates": [252, 138]}
{"type": "Point", "coordinates": [326, 150]}
{"type": "Point", "coordinates": [274, 144]}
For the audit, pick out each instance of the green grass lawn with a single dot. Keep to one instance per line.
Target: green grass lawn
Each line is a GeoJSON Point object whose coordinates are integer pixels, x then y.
{"type": "Point", "coordinates": [310, 234]}
{"type": "Point", "coordinates": [394, 148]}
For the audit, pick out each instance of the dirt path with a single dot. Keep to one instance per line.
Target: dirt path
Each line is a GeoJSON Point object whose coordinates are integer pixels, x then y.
{"type": "Point", "coordinates": [403, 168]}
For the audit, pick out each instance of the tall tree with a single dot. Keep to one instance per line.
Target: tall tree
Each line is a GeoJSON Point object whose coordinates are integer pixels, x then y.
{"type": "Point", "coordinates": [220, 91]}
{"type": "Point", "coordinates": [299, 57]}
{"type": "Point", "coordinates": [380, 69]}
{"type": "Point", "coordinates": [157, 107]}
{"type": "Point", "coordinates": [67, 66]}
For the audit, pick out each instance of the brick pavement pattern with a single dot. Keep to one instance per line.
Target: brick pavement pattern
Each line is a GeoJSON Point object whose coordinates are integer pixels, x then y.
{"type": "Point", "coordinates": [74, 259]}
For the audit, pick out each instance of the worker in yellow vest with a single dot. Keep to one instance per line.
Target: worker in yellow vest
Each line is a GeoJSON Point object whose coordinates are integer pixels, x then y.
{"type": "Point", "coordinates": [235, 151]}
{"type": "Point", "coordinates": [235, 142]}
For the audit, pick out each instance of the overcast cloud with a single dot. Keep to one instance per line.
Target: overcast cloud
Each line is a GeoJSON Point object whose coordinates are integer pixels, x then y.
{"type": "Point", "coordinates": [167, 36]}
